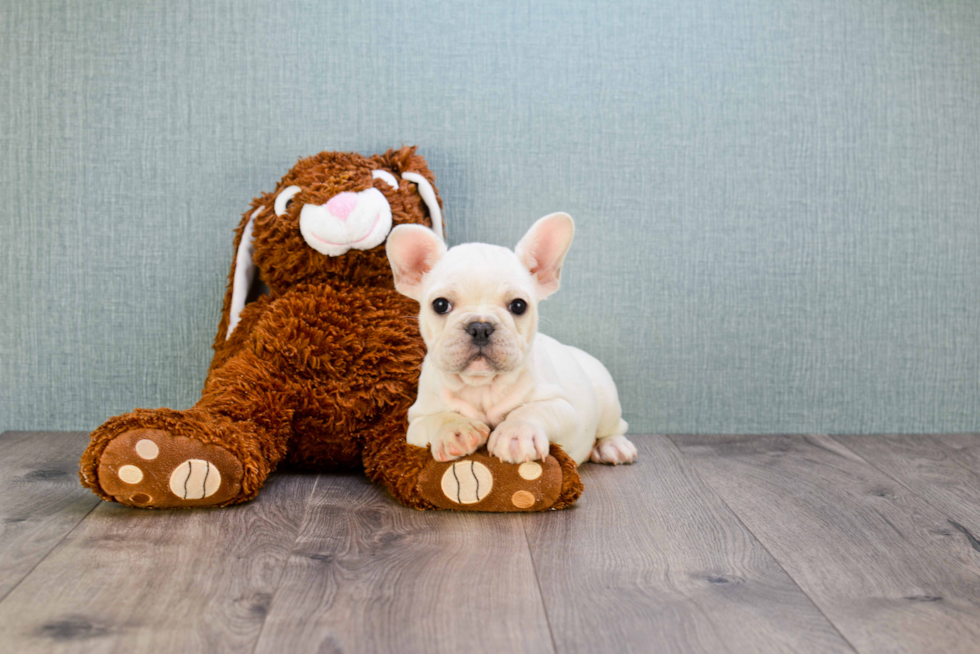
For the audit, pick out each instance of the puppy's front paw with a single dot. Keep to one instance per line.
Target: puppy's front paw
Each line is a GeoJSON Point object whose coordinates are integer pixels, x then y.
{"type": "Point", "coordinates": [457, 437]}
{"type": "Point", "coordinates": [613, 450]}
{"type": "Point", "coordinates": [516, 441]}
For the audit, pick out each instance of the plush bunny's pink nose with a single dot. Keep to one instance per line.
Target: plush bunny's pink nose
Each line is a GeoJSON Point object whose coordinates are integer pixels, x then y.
{"type": "Point", "coordinates": [342, 204]}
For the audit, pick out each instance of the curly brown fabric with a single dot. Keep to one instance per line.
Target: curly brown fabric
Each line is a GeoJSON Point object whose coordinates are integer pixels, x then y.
{"type": "Point", "coordinates": [319, 374]}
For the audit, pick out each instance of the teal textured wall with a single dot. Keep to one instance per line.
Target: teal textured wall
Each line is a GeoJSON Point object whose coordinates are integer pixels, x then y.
{"type": "Point", "coordinates": [778, 201]}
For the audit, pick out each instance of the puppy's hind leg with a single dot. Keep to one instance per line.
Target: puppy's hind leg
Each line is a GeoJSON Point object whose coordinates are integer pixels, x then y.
{"type": "Point", "coordinates": [613, 450]}
{"type": "Point", "coordinates": [611, 444]}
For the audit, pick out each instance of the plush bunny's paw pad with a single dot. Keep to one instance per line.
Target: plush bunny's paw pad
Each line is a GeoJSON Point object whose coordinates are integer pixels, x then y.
{"type": "Point", "coordinates": [480, 482]}
{"type": "Point", "coordinates": [151, 468]}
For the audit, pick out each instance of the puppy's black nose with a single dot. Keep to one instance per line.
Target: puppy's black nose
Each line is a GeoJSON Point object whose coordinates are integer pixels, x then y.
{"type": "Point", "coordinates": [480, 331]}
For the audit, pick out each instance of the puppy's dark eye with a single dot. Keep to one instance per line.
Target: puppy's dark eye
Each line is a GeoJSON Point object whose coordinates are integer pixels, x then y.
{"type": "Point", "coordinates": [518, 307]}
{"type": "Point", "coordinates": [441, 305]}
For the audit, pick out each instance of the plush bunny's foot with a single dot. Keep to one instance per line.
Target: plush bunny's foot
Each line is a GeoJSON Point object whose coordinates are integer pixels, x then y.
{"type": "Point", "coordinates": [151, 468]}
{"type": "Point", "coordinates": [481, 482]}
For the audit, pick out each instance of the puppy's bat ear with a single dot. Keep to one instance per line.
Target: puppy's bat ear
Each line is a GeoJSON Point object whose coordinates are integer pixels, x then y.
{"type": "Point", "coordinates": [543, 249]}
{"type": "Point", "coordinates": [412, 251]}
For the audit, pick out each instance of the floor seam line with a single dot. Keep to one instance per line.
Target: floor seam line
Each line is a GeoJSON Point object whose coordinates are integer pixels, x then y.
{"type": "Point", "coordinates": [537, 582]}
{"type": "Point", "coordinates": [721, 499]}
{"type": "Point", "coordinates": [901, 483]}
{"type": "Point", "coordinates": [945, 449]}
{"type": "Point", "coordinates": [53, 548]}
{"type": "Point", "coordinates": [285, 564]}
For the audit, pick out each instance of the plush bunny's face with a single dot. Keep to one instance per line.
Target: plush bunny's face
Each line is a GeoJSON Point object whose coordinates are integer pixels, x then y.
{"type": "Point", "coordinates": [328, 219]}
{"type": "Point", "coordinates": [331, 214]}
{"type": "Point", "coordinates": [350, 219]}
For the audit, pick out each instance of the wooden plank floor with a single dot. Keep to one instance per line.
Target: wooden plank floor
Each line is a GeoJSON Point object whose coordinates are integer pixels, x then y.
{"type": "Point", "coordinates": [707, 544]}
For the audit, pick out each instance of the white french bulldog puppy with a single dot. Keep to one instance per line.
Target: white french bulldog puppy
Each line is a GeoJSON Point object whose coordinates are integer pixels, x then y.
{"type": "Point", "coordinates": [489, 377]}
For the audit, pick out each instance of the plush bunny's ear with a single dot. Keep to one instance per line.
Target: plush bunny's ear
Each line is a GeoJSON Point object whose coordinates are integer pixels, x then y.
{"type": "Point", "coordinates": [412, 252]}
{"type": "Point", "coordinates": [244, 274]}
{"type": "Point", "coordinates": [429, 197]}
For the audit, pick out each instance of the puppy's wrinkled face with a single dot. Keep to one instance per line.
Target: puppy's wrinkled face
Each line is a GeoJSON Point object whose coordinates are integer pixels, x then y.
{"type": "Point", "coordinates": [478, 311]}
{"type": "Point", "coordinates": [478, 304]}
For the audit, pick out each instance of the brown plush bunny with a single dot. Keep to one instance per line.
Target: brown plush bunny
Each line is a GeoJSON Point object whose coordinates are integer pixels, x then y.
{"type": "Point", "coordinates": [320, 372]}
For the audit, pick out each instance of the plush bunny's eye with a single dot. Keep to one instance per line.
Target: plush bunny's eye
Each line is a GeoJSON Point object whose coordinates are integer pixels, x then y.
{"type": "Point", "coordinates": [285, 198]}
{"type": "Point", "coordinates": [386, 176]}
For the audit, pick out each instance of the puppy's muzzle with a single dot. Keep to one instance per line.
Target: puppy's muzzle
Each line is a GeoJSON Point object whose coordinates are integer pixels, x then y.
{"type": "Point", "coordinates": [480, 333]}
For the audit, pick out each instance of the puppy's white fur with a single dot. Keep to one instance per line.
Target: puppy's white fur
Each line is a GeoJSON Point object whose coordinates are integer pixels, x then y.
{"type": "Point", "coordinates": [520, 389]}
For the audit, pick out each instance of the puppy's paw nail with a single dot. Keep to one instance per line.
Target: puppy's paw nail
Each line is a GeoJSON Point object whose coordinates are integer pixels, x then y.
{"type": "Point", "coordinates": [458, 437]}
{"type": "Point", "coordinates": [613, 450]}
